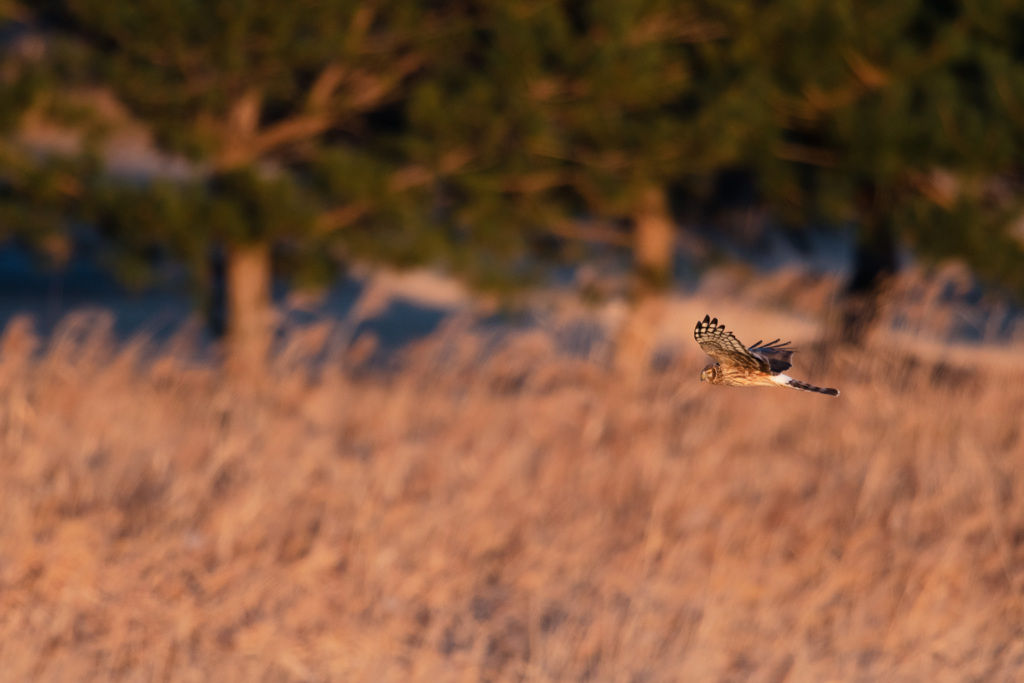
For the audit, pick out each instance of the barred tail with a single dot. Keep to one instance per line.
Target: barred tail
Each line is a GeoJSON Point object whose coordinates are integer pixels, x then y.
{"type": "Point", "coordinates": [804, 386]}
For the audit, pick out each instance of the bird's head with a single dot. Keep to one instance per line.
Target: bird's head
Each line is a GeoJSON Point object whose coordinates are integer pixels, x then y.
{"type": "Point", "coordinates": [710, 373]}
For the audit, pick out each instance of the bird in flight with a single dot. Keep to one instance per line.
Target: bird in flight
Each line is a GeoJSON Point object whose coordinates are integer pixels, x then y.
{"type": "Point", "coordinates": [761, 365]}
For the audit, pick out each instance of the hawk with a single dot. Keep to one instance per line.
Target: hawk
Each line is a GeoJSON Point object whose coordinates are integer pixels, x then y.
{"type": "Point", "coordinates": [762, 365]}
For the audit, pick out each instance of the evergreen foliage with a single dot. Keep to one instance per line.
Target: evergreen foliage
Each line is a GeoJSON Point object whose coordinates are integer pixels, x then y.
{"type": "Point", "coordinates": [281, 108]}
{"type": "Point", "coordinates": [492, 136]}
{"type": "Point", "coordinates": [38, 191]}
{"type": "Point", "coordinates": [899, 116]}
{"type": "Point", "coordinates": [545, 112]}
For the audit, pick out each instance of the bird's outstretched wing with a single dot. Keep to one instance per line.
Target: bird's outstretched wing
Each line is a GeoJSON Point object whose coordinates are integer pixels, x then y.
{"type": "Point", "coordinates": [778, 355]}
{"type": "Point", "coordinates": [725, 348]}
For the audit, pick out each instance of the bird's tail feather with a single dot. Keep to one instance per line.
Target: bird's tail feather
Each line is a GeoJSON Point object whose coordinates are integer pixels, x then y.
{"type": "Point", "coordinates": [804, 386]}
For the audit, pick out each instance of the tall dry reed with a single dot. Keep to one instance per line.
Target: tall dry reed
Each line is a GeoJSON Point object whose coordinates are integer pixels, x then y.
{"type": "Point", "coordinates": [504, 511]}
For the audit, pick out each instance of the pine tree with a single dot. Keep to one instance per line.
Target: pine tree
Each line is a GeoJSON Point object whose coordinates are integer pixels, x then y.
{"type": "Point", "coordinates": [40, 189]}
{"type": "Point", "coordinates": [580, 109]}
{"type": "Point", "coordinates": [893, 115]}
{"type": "Point", "coordinates": [278, 105]}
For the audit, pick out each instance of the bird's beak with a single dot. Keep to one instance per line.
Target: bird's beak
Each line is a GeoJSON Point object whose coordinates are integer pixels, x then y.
{"type": "Point", "coordinates": [702, 377]}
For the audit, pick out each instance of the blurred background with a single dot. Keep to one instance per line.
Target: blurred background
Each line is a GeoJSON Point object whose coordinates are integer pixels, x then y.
{"type": "Point", "coordinates": [353, 340]}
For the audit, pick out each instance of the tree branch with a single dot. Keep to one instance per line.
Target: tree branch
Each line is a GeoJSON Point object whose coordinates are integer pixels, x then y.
{"type": "Point", "coordinates": [341, 217]}
{"type": "Point", "coordinates": [324, 87]}
{"type": "Point", "coordinates": [601, 233]}
{"type": "Point", "coordinates": [805, 154]}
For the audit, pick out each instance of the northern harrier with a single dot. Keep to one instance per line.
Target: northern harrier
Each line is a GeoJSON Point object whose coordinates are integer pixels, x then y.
{"type": "Point", "coordinates": [761, 365]}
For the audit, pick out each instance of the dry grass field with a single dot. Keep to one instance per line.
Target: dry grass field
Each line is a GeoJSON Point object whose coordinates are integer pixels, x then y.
{"type": "Point", "coordinates": [507, 513]}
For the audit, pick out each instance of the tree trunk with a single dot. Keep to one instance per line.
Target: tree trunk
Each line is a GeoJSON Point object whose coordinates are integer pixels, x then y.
{"type": "Point", "coordinates": [215, 304]}
{"type": "Point", "coordinates": [249, 319]}
{"type": "Point", "coordinates": [875, 263]}
{"type": "Point", "coordinates": [653, 242]}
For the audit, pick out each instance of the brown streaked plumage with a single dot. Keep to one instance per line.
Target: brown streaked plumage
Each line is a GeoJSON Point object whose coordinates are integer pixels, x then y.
{"type": "Point", "coordinates": [761, 365]}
